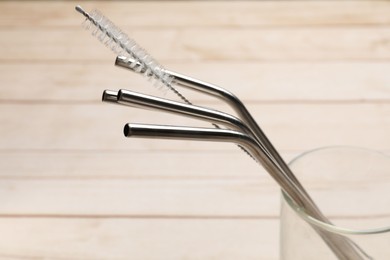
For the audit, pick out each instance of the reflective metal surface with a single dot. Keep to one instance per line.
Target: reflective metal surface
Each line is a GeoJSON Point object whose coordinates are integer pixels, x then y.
{"type": "Point", "coordinates": [343, 249]}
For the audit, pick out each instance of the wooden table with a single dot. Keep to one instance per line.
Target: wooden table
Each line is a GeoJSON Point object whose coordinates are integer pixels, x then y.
{"type": "Point", "coordinates": [72, 187]}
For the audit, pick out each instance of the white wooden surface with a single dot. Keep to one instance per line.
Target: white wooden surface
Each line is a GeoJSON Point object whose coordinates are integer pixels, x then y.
{"type": "Point", "coordinates": [72, 187]}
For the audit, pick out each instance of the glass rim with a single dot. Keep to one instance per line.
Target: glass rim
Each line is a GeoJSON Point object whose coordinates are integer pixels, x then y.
{"type": "Point", "coordinates": [328, 226]}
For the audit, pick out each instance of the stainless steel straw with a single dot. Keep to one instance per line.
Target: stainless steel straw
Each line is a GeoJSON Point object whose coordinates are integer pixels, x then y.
{"type": "Point", "coordinates": [138, 100]}
{"type": "Point", "coordinates": [241, 136]}
{"type": "Point", "coordinates": [343, 249]}
{"type": "Point", "coordinates": [220, 93]}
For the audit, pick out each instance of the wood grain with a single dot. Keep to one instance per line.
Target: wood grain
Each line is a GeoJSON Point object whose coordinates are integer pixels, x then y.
{"type": "Point", "coordinates": [171, 14]}
{"type": "Point", "coordinates": [276, 44]}
{"type": "Point", "coordinates": [290, 127]}
{"type": "Point", "coordinates": [251, 81]}
{"type": "Point", "coordinates": [178, 198]}
{"type": "Point", "coordinates": [313, 73]}
{"type": "Point", "coordinates": [116, 164]}
{"type": "Point", "coordinates": [59, 238]}
{"type": "Point", "coordinates": [129, 198]}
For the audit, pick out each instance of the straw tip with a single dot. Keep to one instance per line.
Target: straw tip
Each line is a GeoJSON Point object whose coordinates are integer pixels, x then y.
{"type": "Point", "coordinates": [129, 63]}
{"type": "Point", "coordinates": [127, 130]}
{"type": "Point", "coordinates": [110, 96]}
{"type": "Point", "coordinates": [121, 60]}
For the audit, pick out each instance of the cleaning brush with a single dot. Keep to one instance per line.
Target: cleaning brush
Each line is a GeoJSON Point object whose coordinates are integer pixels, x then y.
{"type": "Point", "coordinates": [114, 38]}
{"type": "Point", "coordinates": [136, 57]}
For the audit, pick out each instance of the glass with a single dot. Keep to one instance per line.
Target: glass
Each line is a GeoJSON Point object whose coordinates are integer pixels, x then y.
{"type": "Point", "coordinates": [351, 186]}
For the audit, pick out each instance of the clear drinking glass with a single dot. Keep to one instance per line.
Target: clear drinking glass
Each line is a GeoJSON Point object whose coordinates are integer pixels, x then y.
{"type": "Point", "coordinates": [351, 186]}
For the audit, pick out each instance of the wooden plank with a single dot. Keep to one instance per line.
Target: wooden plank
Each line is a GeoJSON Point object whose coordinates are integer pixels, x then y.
{"type": "Point", "coordinates": [251, 81]}
{"type": "Point", "coordinates": [128, 165]}
{"type": "Point", "coordinates": [65, 192]}
{"type": "Point", "coordinates": [25, 238]}
{"type": "Point", "coordinates": [251, 44]}
{"type": "Point", "coordinates": [230, 198]}
{"type": "Point", "coordinates": [177, 14]}
{"type": "Point", "coordinates": [59, 165]}
{"type": "Point", "coordinates": [99, 127]}
{"type": "Point", "coordinates": [141, 198]}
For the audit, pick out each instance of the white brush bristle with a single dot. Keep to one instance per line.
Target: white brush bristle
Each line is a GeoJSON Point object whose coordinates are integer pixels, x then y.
{"type": "Point", "coordinates": [115, 39]}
